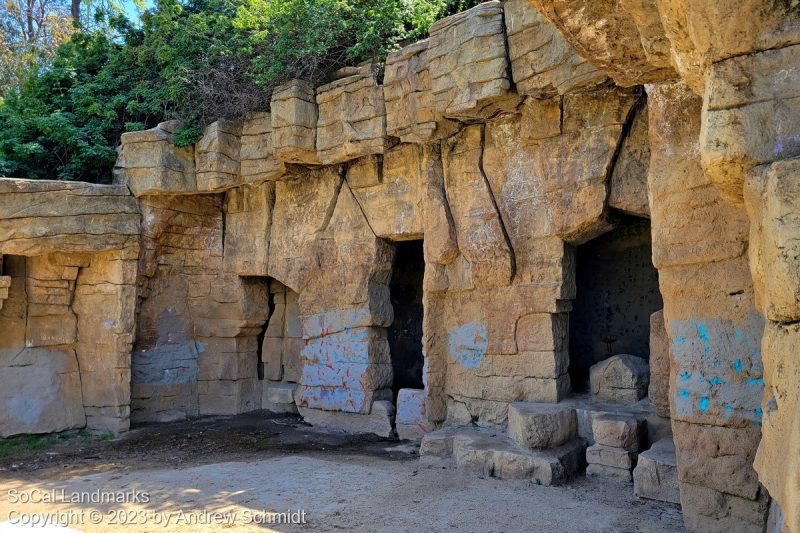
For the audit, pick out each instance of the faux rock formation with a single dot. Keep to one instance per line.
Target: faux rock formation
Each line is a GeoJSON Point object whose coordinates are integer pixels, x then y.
{"type": "Point", "coordinates": [410, 106]}
{"type": "Point", "coordinates": [217, 157]}
{"type": "Point", "coordinates": [514, 149]}
{"type": "Point", "coordinates": [257, 154]}
{"type": "Point", "coordinates": [543, 63]}
{"type": "Point", "coordinates": [38, 217]}
{"type": "Point", "coordinates": [410, 420]}
{"type": "Point", "coordinates": [540, 426]}
{"type": "Point", "coordinates": [468, 64]}
{"type": "Point", "coordinates": [150, 163]}
{"type": "Point", "coordinates": [628, 188]}
{"type": "Point", "coordinates": [293, 113]}
{"type": "Point", "coordinates": [248, 213]}
{"type": "Point", "coordinates": [352, 118]}
{"type": "Point", "coordinates": [620, 379]}
{"type": "Point", "coordinates": [656, 474]}
{"type": "Point", "coordinates": [605, 32]}
{"type": "Point", "coordinates": [658, 388]}
{"type": "Point", "coordinates": [390, 192]}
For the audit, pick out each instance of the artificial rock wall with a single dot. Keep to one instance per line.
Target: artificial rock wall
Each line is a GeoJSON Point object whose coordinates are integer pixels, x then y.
{"type": "Point", "coordinates": [732, 89]}
{"type": "Point", "coordinates": [68, 251]}
{"type": "Point", "coordinates": [514, 133]}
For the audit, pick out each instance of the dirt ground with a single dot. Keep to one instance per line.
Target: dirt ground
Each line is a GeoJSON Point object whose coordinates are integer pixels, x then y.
{"type": "Point", "coordinates": [244, 473]}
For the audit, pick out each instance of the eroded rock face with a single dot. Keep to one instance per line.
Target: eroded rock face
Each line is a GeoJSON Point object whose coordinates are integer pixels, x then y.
{"type": "Point", "coordinates": [303, 207]}
{"type": "Point", "coordinates": [248, 223]}
{"type": "Point", "coordinates": [607, 34]}
{"type": "Point", "coordinates": [468, 65]}
{"type": "Point", "coordinates": [294, 122]}
{"type": "Point", "coordinates": [714, 331]}
{"type": "Point", "coordinates": [352, 118]}
{"type": "Point", "coordinates": [150, 163]}
{"type": "Point", "coordinates": [543, 63]}
{"type": "Point", "coordinates": [410, 105]}
{"type": "Point", "coordinates": [38, 217]}
{"type": "Point", "coordinates": [747, 94]}
{"type": "Point", "coordinates": [620, 379]}
{"type": "Point", "coordinates": [628, 187]}
{"type": "Point", "coordinates": [217, 157]}
{"type": "Point", "coordinates": [258, 156]}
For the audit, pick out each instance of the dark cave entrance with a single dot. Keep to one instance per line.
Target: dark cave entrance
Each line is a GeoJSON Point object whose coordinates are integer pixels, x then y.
{"type": "Point", "coordinates": [405, 333]}
{"type": "Point", "coordinates": [617, 291]}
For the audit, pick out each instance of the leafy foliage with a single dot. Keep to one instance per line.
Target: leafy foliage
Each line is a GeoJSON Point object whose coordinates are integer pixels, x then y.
{"type": "Point", "coordinates": [195, 60]}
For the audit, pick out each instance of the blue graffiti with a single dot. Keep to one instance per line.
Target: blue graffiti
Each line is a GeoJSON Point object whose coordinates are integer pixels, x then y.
{"type": "Point", "coordinates": [718, 366]}
{"type": "Point", "coordinates": [467, 344]}
{"type": "Point", "coordinates": [703, 404]}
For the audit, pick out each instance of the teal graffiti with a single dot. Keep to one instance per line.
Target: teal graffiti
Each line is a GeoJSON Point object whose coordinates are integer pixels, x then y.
{"type": "Point", "coordinates": [467, 344]}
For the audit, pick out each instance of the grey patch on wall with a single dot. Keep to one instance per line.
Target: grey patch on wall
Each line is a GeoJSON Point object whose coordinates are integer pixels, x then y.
{"type": "Point", "coordinates": [173, 358]}
{"type": "Point", "coordinates": [617, 291]}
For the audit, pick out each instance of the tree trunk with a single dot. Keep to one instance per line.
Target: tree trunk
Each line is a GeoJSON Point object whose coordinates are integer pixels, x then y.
{"type": "Point", "coordinates": [76, 12]}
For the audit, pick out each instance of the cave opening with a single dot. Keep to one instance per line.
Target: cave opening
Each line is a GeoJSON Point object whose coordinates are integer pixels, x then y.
{"type": "Point", "coordinates": [405, 332]}
{"type": "Point", "coordinates": [616, 292]}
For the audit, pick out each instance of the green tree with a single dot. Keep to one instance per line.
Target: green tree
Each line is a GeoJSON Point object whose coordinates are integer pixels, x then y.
{"type": "Point", "coordinates": [194, 60]}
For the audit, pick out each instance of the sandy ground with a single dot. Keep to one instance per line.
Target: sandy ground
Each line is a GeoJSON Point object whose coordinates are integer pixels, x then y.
{"type": "Point", "coordinates": [236, 473]}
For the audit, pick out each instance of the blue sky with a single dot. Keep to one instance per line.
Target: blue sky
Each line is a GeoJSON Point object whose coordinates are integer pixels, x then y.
{"type": "Point", "coordinates": [130, 8]}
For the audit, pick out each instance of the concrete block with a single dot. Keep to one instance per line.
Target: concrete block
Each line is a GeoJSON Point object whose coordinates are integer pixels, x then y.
{"type": "Point", "coordinates": [656, 474]}
{"type": "Point", "coordinates": [541, 425]}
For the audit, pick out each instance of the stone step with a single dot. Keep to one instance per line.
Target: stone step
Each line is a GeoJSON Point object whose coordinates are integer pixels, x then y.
{"type": "Point", "coordinates": [539, 426]}
{"type": "Point", "coordinates": [494, 454]}
{"type": "Point", "coordinates": [491, 453]}
{"type": "Point", "coordinates": [608, 456]}
{"type": "Point", "coordinates": [279, 397]}
{"type": "Point", "coordinates": [617, 431]}
{"type": "Point", "coordinates": [622, 474]}
{"type": "Point", "coordinates": [656, 474]}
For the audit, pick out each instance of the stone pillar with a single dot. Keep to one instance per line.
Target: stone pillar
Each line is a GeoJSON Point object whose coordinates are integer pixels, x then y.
{"type": "Point", "coordinates": [107, 283]}
{"type": "Point", "coordinates": [699, 247]}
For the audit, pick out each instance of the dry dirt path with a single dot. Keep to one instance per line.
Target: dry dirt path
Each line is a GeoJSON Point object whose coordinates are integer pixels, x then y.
{"type": "Point", "coordinates": [246, 468]}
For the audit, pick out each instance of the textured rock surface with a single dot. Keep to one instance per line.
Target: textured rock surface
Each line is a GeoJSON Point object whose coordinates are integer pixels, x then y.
{"type": "Point", "coordinates": [656, 475]}
{"type": "Point", "coordinates": [658, 389]}
{"type": "Point", "coordinates": [606, 34]}
{"type": "Point", "coordinates": [216, 157]}
{"type": "Point", "coordinates": [352, 118]}
{"type": "Point", "coordinates": [410, 106]}
{"type": "Point", "coordinates": [39, 216]}
{"type": "Point", "coordinates": [248, 221]}
{"type": "Point", "coordinates": [543, 63]}
{"type": "Point", "coordinates": [600, 454]}
{"type": "Point", "coordinates": [744, 94]}
{"type": "Point", "coordinates": [537, 165]}
{"type": "Point", "coordinates": [392, 200]}
{"type": "Point", "coordinates": [257, 153]}
{"type": "Point", "coordinates": [468, 64]}
{"type": "Point", "coordinates": [628, 187]}
{"type": "Point", "coordinates": [540, 426]}
{"type": "Point", "coordinates": [410, 421]}
{"type": "Point", "coordinates": [617, 431]}
{"type": "Point", "coordinates": [716, 372]}
{"type": "Point", "coordinates": [293, 112]}
{"type": "Point", "coordinates": [779, 469]}
{"type": "Point", "coordinates": [620, 379]}
{"type": "Point", "coordinates": [150, 163]}
{"type": "Point", "coordinates": [611, 472]}
{"type": "Point", "coordinates": [490, 454]}
{"type": "Point", "coordinates": [378, 422]}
